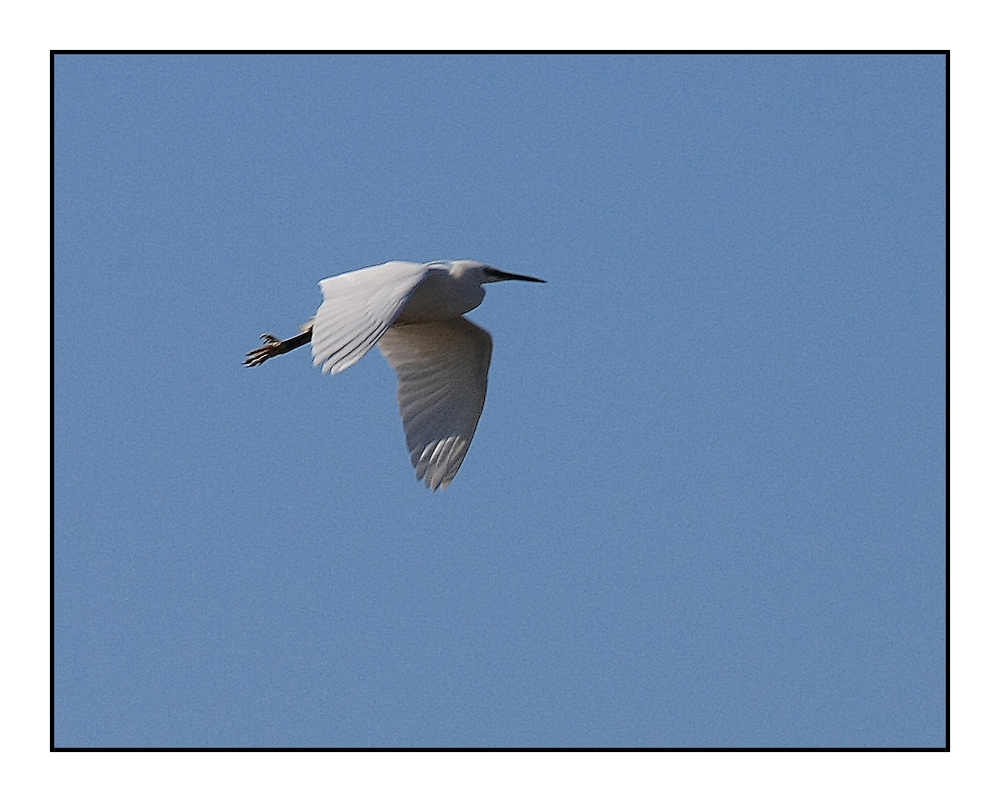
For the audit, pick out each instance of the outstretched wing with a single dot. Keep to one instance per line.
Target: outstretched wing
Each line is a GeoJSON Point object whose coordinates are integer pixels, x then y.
{"type": "Point", "coordinates": [358, 308]}
{"type": "Point", "coordinates": [442, 369]}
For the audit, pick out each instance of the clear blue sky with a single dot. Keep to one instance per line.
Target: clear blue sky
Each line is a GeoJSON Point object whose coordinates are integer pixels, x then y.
{"type": "Point", "coordinates": [705, 502]}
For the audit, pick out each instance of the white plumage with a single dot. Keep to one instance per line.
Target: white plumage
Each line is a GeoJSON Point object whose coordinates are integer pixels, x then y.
{"type": "Point", "coordinates": [442, 369]}
{"type": "Point", "coordinates": [414, 313]}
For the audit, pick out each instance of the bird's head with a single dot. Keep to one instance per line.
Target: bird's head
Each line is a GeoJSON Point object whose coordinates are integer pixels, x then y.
{"type": "Point", "coordinates": [484, 274]}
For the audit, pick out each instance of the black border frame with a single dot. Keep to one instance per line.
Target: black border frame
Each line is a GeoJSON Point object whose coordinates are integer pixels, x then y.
{"type": "Point", "coordinates": [947, 402]}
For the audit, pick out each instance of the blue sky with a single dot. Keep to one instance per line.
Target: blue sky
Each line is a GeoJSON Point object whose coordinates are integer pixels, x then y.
{"type": "Point", "coordinates": [705, 503]}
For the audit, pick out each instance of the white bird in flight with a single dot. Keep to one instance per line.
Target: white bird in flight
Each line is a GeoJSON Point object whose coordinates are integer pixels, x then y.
{"type": "Point", "coordinates": [414, 313]}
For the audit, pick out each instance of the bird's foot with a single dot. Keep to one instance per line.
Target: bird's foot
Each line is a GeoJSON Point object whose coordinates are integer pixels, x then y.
{"type": "Point", "coordinates": [272, 347]}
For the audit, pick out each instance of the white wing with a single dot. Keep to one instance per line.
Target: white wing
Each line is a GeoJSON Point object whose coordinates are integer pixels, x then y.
{"type": "Point", "coordinates": [357, 309]}
{"type": "Point", "coordinates": [442, 370]}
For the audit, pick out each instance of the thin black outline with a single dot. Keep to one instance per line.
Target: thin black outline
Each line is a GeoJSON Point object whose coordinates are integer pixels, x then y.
{"type": "Point", "coordinates": [947, 402]}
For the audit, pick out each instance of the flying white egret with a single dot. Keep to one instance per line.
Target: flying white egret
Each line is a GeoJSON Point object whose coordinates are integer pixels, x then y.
{"type": "Point", "coordinates": [414, 313]}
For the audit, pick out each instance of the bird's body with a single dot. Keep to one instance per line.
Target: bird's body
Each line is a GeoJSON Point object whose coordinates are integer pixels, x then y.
{"type": "Point", "coordinates": [414, 313]}
{"type": "Point", "coordinates": [441, 296]}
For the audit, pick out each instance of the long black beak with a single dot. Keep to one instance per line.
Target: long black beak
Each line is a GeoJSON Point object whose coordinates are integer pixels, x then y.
{"type": "Point", "coordinates": [500, 275]}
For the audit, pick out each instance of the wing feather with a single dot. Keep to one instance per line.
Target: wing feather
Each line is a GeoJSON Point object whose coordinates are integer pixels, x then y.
{"type": "Point", "coordinates": [442, 369]}
{"type": "Point", "coordinates": [358, 308]}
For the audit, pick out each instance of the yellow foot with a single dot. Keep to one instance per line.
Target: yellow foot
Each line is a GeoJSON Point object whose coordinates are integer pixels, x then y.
{"type": "Point", "coordinates": [272, 347]}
